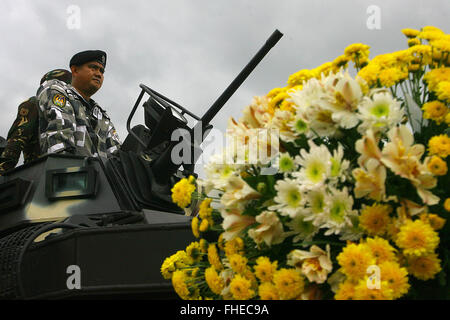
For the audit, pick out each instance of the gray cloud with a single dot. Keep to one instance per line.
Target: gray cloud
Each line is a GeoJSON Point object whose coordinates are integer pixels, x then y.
{"type": "Point", "coordinates": [191, 50]}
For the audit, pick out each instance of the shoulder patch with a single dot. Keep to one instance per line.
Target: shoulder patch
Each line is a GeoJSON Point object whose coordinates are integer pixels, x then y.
{"type": "Point", "coordinates": [59, 100]}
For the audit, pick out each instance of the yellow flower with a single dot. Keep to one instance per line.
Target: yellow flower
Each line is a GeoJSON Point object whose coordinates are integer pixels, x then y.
{"type": "Point", "coordinates": [436, 76]}
{"type": "Point", "coordinates": [204, 225]}
{"type": "Point", "coordinates": [267, 291]}
{"type": "Point", "coordinates": [442, 45]}
{"type": "Point", "coordinates": [179, 284]}
{"type": "Point", "coordinates": [435, 110]}
{"type": "Point", "coordinates": [240, 288]}
{"type": "Point", "coordinates": [236, 245]}
{"type": "Point", "coordinates": [417, 238]}
{"type": "Point", "coordinates": [422, 52]}
{"type": "Point", "coordinates": [410, 33]}
{"type": "Point", "coordinates": [346, 291]}
{"type": "Point", "coordinates": [176, 261]}
{"type": "Point", "coordinates": [182, 191]}
{"type": "Point", "coordinates": [299, 77]}
{"type": "Point", "coordinates": [396, 278]}
{"type": "Point", "coordinates": [375, 219]}
{"type": "Point", "coordinates": [193, 251]}
{"type": "Point", "coordinates": [413, 42]}
{"type": "Point", "coordinates": [289, 283]}
{"type": "Point", "coordinates": [357, 50]}
{"type": "Point", "coordinates": [340, 62]}
{"type": "Point", "coordinates": [355, 260]}
{"type": "Point", "coordinates": [238, 263]}
{"type": "Point", "coordinates": [380, 249]}
{"type": "Point", "coordinates": [276, 101]}
{"type": "Point", "coordinates": [437, 166]}
{"type": "Point", "coordinates": [447, 204]}
{"type": "Point", "coordinates": [194, 227]}
{"type": "Point", "coordinates": [213, 280]}
{"type": "Point", "coordinates": [364, 292]}
{"type": "Point", "coordinates": [213, 257]}
{"type": "Point", "coordinates": [443, 91]}
{"type": "Point", "coordinates": [439, 145]}
{"type": "Point", "coordinates": [424, 267]}
{"type": "Point", "coordinates": [433, 220]}
{"type": "Point", "coordinates": [205, 209]}
{"type": "Point", "coordinates": [264, 269]}
{"type": "Point", "coordinates": [274, 92]}
{"type": "Point", "coordinates": [203, 246]}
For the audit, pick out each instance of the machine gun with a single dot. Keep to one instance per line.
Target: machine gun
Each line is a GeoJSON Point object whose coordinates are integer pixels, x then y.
{"type": "Point", "coordinates": [115, 218]}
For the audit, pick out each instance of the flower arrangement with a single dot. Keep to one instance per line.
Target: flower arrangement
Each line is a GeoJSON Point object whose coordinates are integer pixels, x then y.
{"type": "Point", "coordinates": [358, 205]}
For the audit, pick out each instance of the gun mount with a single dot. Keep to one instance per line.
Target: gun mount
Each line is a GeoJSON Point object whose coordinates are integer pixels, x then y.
{"type": "Point", "coordinates": [112, 219]}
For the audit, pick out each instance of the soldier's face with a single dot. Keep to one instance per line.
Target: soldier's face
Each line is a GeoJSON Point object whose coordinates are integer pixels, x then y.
{"type": "Point", "coordinates": [88, 77]}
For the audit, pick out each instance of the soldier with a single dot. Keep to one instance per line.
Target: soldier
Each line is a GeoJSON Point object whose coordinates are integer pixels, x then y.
{"type": "Point", "coordinates": [24, 133]}
{"type": "Point", "coordinates": [72, 122]}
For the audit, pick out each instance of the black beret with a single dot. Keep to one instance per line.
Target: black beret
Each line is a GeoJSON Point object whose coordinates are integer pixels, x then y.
{"type": "Point", "coordinates": [59, 74]}
{"type": "Point", "coordinates": [89, 56]}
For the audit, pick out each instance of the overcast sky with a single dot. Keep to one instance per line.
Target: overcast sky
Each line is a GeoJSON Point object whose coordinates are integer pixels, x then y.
{"type": "Point", "coordinates": [191, 50]}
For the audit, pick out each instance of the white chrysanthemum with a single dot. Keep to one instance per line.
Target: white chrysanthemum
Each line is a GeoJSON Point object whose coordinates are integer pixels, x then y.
{"type": "Point", "coordinates": [338, 212]}
{"type": "Point", "coordinates": [281, 121]}
{"type": "Point", "coordinates": [218, 170]}
{"type": "Point", "coordinates": [339, 165]}
{"type": "Point", "coordinates": [285, 163]}
{"type": "Point", "coordinates": [302, 229]}
{"type": "Point", "coordinates": [299, 125]}
{"type": "Point", "coordinates": [308, 107]}
{"type": "Point", "coordinates": [289, 198]}
{"type": "Point", "coordinates": [316, 165]}
{"type": "Point", "coordinates": [316, 201]}
{"type": "Point", "coordinates": [380, 112]}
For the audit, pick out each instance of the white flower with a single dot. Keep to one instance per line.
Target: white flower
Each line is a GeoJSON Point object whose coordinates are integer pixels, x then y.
{"type": "Point", "coordinates": [380, 112]}
{"type": "Point", "coordinates": [316, 165]}
{"type": "Point", "coordinates": [314, 264]}
{"type": "Point", "coordinates": [317, 200]}
{"type": "Point", "coordinates": [270, 229]}
{"type": "Point", "coordinates": [303, 230]}
{"type": "Point", "coordinates": [338, 213]}
{"type": "Point", "coordinates": [281, 121]}
{"type": "Point", "coordinates": [289, 198]}
{"type": "Point", "coordinates": [338, 165]}
{"type": "Point", "coordinates": [285, 163]}
{"type": "Point", "coordinates": [256, 115]}
{"type": "Point", "coordinates": [237, 193]}
{"type": "Point", "coordinates": [234, 223]}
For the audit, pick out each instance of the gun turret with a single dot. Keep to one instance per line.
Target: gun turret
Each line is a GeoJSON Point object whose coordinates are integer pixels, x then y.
{"type": "Point", "coordinates": [163, 117]}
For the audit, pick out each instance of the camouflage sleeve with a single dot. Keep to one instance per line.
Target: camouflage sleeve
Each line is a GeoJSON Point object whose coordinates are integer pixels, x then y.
{"type": "Point", "coordinates": [59, 119]}
{"type": "Point", "coordinates": [20, 134]}
{"type": "Point", "coordinates": [112, 139]}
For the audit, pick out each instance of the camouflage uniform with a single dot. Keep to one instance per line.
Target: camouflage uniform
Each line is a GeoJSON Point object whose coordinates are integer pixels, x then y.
{"type": "Point", "coordinates": [70, 124]}
{"type": "Point", "coordinates": [23, 135]}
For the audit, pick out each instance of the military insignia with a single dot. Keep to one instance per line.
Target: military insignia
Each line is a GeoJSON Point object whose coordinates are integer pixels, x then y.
{"type": "Point", "coordinates": [59, 100]}
{"type": "Point", "coordinates": [23, 112]}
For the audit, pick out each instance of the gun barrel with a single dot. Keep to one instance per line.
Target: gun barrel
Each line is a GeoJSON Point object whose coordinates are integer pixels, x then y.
{"type": "Point", "coordinates": [231, 89]}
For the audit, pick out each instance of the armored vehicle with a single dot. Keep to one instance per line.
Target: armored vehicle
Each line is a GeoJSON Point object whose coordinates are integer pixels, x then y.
{"type": "Point", "coordinates": [80, 227]}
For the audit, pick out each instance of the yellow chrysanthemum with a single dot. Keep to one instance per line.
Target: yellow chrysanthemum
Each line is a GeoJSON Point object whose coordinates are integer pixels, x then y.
{"type": "Point", "coordinates": [436, 76]}
{"type": "Point", "coordinates": [396, 278]}
{"type": "Point", "coordinates": [240, 288]}
{"type": "Point", "coordinates": [203, 246]}
{"type": "Point", "coordinates": [195, 227]}
{"type": "Point", "coordinates": [443, 45]}
{"type": "Point", "coordinates": [179, 284]}
{"type": "Point", "coordinates": [417, 238]}
{"type": "Point", "coordinates": [447, 204]}
{"type": "Point", "coordinates": [204, 225]}
{"type": "Point", "coordinates": [213, 257]}
{"type": "Point", "coordinates": [410, 33]}
{"type": "Point", "coordinates": [435, 110]}
{"type": "Point", "coordinates": [357, 50]}
{"type": "Point", "coordinates": [375, 219]}
{"type": "Point", "coordinates": [205, 209]}
{"type": "Point", "coordinates": [289, 283]}
{"type": "Point", "coordinates": [346, 291]}
{"type": "Point", "coordinates": [437, 166]}
{"type": "Point", "coordinates": [182, 191]}
{"type": "Point", "coordinates": [413, 42]}
{"type": "Point", "coordinates": [436, 222]}
{"type": "Point", "coordinates": [193, 251]}
{"type": "Point", "coordinates": [354, 260]}
{"type": "Point", "coordinates": [235, 245]}
{"type": "Point", "coordinates": [238, 263]}
{"type": "Point", "coordinates": [424, 267]}
{"type": "Point", "coordinates": [340, 62]}
{"type": "Point", "coordinates": [443, 91]}
{"type": "Point", "coordinates": [264, 269]}
{"type": "Point", "coordinates": [364, 292]}
{"type": "Point", "coordinates": [272, 93]}
{"type": "Point", "coordinates": [380, 249]}
{"type": "Point", "coordinates": [299, 77]}
{"type": "Point", "coordinates": [214, 281]}
{"type": "Point", "coordinates": [267, 291]}
{"type": "Point", "coordinates": [439, 145]}
{"type": "Point", "coordinates": [176, 261]}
